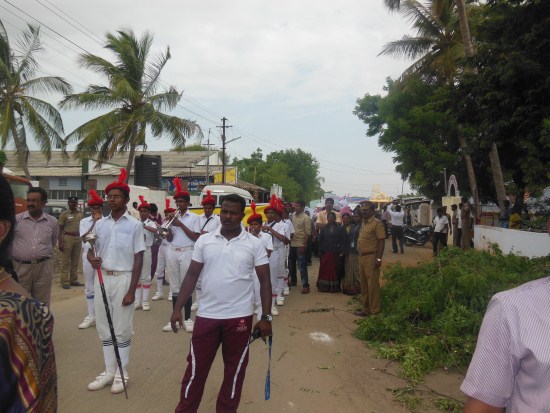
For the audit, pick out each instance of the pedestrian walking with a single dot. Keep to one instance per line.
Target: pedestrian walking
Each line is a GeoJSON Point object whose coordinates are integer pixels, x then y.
{"type": "Point", "coordinates": [227, 259]}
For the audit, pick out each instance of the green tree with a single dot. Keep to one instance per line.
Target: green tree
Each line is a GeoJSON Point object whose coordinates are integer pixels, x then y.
{"type": "Point", "coordinates": [295, 170]}
{"type": "Point", "coordinates": [507, 101]}
{"type": "Point", "coordinates": [21, 112]}
{"type": "Point", "coordinates": [131, 94]}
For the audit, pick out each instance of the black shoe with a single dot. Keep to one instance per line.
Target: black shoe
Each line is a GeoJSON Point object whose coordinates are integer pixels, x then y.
{"type": "Point", "coordinates": [66, 287]}
{"type": "Point", "coordinates": [77, 284]}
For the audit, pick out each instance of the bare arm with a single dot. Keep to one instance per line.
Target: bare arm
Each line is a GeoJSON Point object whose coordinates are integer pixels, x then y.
{"type": "Point", "coordinates": [265, 294]}
{"type": "Point", "coordinates": [186, 289]}
{"type": "Point", "coordinates": [476, 406]}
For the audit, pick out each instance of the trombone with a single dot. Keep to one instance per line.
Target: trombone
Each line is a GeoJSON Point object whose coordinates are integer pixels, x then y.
{"type": "Point", "coordinates": [164, 229]}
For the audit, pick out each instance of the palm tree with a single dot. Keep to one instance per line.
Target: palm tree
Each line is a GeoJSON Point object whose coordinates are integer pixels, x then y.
{"type": "Point", "coordinates": [438, 49]}
{"type": "Point", "coordinates": [19, 111]}
{"type": "Point", "coordinates": [131, 94]}
{"type": "Point", "coordinates": [469, 53]}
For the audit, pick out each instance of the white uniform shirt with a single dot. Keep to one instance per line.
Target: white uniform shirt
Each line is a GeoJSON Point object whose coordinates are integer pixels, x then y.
{"type": "Point", "coordinates": [227, 276]}
{"type": "Point", "coordinates": [396, 217]}
{"type": "Point", "coordinates": [439, 224]}
{"type": "Point", "coordinates": [282, 229]}
{"type": "Point", "coordinates": [191, 221]}
{"type": "Point", "coordinates": [148, 235]}
{"type": "Point", "coordinates": [118, 241]}
{"type": "Point", "coordinates": [267, 240]}
{"type": "Point", "coordinates": [290, 226]}
{"type": "Point", "coordinates": [85, 225]}
{"type": "Point", "coordinates": [212, 224]}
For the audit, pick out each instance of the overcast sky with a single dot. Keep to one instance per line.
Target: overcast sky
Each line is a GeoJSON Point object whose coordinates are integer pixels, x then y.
{"type": "Point", "coordinates": [285, 73]}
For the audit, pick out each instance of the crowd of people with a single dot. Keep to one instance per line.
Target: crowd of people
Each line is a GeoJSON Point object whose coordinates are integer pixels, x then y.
{"type": "Point", "coordinates": [234, 272]}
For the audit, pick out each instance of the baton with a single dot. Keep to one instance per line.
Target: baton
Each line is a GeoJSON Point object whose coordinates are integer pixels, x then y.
{"type": "Point", "coordinates": [257, 334]}
{"type": "Point", "coordinates": [91, 238]}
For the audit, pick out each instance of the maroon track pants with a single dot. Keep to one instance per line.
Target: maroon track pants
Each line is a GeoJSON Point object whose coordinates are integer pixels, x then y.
{"type": "Point", "coordinates": [208, 334]}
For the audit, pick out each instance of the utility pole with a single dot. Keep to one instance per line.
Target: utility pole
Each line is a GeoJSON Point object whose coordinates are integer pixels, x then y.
{"type": "Point", "coordinates": [224, 127]}
{"type": "Point", "coordinates": [208, 159]}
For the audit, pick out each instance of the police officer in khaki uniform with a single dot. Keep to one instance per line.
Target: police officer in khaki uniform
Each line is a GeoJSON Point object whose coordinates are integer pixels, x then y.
{"type": "Point", "coordinates": [70, 243]}
{"type": "Point", "coordinates": [370, 245]}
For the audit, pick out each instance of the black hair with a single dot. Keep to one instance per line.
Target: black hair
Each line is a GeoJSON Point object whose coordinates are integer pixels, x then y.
{"type": "Point", "coordinates": [397, 208]}
{"type": "Point", "coordinates": [454, 207]}
{"type": "Point", "coordinates": [154, 208]}
{"type": "Point", "coordinates": [346, 214]}
{"type": "Point", "coordinates": [301, 203]}
{"type": "Point", "coordinates": [331, 213]}
{"type": "Point", "coordinates": [236, 199]}
{"type": "Point", "coordinates": [134, 204]}
{"type": "Point", "coordinates": [7, 213]}
{"type": "Point", "coordinates": [41, 191]}
{"type": "Point", "coordinates": [331, 200]}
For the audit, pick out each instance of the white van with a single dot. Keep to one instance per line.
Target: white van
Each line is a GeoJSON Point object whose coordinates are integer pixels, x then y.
{"type": "Point", "coordinates": [218, 192]}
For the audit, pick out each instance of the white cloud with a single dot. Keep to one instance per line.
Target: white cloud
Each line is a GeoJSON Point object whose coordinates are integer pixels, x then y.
{"type": "Point", "coordinates": [285, 71]}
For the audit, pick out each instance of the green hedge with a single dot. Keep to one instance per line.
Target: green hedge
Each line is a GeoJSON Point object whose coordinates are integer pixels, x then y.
{"type": "Point", "coordinates": [432, 313]}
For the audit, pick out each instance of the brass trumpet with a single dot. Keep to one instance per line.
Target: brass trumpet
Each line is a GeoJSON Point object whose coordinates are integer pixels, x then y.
{"type": "Point", "coordinates": [164, 229]}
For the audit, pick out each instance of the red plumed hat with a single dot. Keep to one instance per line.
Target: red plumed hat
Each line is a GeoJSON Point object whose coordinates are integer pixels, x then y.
{"type": "Point", "coordinates": [255, 216]}
{"type": "Point", "coordinates": [275, 204]}
{"type": "Point", "coordinates": [209, 199]}
{"type": "Point", "coordinates": [180, 193]}
{"type": "Point", "coordinates": [120, 183]}
{"type": "Point", "coordinates": [95, 199]}
{"type": "Point", "coordinates": [168, 209]}
{"type": "Point", "coordinates": [144, 203]}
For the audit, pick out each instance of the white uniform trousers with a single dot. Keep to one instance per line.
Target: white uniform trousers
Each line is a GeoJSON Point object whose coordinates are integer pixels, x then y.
{"type": "Point", "coordinates": [177, 264]}
{"type": "Point", "coordinates": [276, 268]}
{"type": "Point", "coordinates": [161, 261]}
{"type": "Point", "coordinates": [116, 287]}
{"type": "Point", "coordinates": [145, 277]}
{"type": "Point", "coordinates": [89, 275]}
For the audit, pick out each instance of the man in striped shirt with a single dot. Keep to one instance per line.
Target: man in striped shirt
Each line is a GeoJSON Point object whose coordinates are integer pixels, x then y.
{"type": "Point", "coordinates": [510, 368]}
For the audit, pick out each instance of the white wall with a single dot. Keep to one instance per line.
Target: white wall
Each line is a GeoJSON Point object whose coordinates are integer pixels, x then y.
{"type": "Point", "coordinates": [523, 243]}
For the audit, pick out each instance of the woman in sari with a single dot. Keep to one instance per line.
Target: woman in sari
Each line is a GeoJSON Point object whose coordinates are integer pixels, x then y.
{"type": "Point", "coordinates": [28, 380]}
{"type": "Point", "coordinates": [331, 248]}
{"type": "Point", "coordinates": [351, 284]}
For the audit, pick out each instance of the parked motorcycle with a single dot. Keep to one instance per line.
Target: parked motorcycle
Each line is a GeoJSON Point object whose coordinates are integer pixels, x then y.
{"type": "Point", "coordinates": [417, 235]}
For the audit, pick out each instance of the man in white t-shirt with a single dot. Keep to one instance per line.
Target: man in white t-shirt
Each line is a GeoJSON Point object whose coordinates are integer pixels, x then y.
{"type": "Point", "coordinates": [397, 216]}
{"type": "Point", "coordinates": [182, 235]}
{"type": "Point", "coordinates": [441, 229]}
{"type": "Point", "coordinates": [227, 259]}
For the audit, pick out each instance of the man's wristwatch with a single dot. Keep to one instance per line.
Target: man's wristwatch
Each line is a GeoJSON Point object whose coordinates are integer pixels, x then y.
{"type": "Point", "coordinates": [267, 317]}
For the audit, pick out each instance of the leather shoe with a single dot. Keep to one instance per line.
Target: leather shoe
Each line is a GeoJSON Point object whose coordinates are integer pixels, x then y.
{"type": "Point", "coordinates": [66, 287]}
{"type": "Point", "coordinates": [77, 284]}
{"type": "Point", "coordinates": [305, 290]}
{"type": "Point", "coordinates": [361, 314]}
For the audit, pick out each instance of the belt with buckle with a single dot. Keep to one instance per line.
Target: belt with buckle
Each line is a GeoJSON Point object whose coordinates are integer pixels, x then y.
{"type": "Point", "coordinates": [106, 272]}
{"type": "Point", "coordinates": [367, 253]}
{"type": "Point", "coordinates": [38, 261]}
{"type": "Point", "coordinates": [181, 249]}
{"type": "Point", "coordinates": [72, 234]}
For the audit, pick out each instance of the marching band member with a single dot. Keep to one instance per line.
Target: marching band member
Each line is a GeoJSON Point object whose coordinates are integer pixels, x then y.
{"type": "Point", "coordinates": [161, 262]}
{"type": "Point", "coordinates": [149, 229]}
{"type": "Point", "coordinates": [281, 237]}
{"type": "Point", "coordinates": [254, 222]}
{"type": "Point", "coordinates": [182, 235]}
{"type": "Point", "coordinates": [208, 222]}
{"type": "Point", "coordinates": [119, 247]}
{"type": "Point", "coordinates": [95, 203]}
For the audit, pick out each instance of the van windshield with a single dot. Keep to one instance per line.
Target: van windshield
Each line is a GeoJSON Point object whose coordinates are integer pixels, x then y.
{"type": "Point", "coordinates": [19, 189]}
